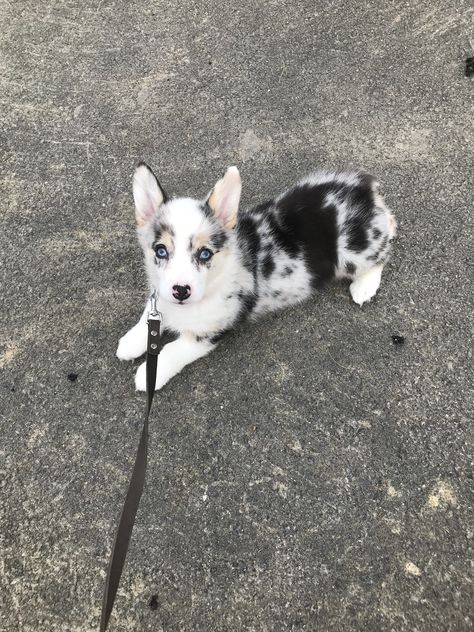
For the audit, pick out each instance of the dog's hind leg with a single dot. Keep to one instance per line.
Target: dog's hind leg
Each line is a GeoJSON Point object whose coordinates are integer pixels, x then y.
{"type": "Point", "coordinates": [365, 286]}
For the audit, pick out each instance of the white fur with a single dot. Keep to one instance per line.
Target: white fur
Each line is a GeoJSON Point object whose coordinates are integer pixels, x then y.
{"type": "Point", "coordinates": [292, 289]}
{"type": "Point", "coordinates": [133, 344]}
{"type": "Point", "coordinates": [173, 358]}
{"type": "Point", "coordinates": [320, 177]}
{"type": "Point", "coordinates": [365, 286]}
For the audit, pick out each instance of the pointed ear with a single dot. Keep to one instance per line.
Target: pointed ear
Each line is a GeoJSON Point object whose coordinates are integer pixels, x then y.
{"type": "Point", "coordinates": [147, 193]}
{"type": "Point", "coordinates": [225, 197]}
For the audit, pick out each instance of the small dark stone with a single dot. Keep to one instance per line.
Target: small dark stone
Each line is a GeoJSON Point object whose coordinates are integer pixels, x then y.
{"type": "Point", "coordinates": [469, 68]}
{"type": "Point", "coordinates": [398, 340]}
{"type": "Point", "coordinates": [72, 377]}
{"type": "Point", "coordinates": [153, 603]}
{"type": "Point", "coordinates": [12, 389]}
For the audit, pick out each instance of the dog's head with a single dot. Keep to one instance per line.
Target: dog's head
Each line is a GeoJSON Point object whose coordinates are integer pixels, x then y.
{"type": "Point", "coordinates": [185, 241]}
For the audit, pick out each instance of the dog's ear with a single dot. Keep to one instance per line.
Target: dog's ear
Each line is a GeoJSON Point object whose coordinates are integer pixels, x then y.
{"type": "Point", "coordinates": [225, 197]}
{"type": "Point", "coordinates": [147, 193]}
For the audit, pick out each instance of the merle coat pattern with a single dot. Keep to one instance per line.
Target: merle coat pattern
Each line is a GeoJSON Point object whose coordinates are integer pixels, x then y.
{"type": "Point", "coordinates": [213, 265]}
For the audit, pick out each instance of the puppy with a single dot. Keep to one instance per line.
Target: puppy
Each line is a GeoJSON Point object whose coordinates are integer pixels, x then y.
{"type": "Point", "coordinates": [213, 265]}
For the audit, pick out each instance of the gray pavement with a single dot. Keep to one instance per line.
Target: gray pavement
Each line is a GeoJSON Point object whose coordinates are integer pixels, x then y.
{"type": "Point", "coordinates": [310, 474]}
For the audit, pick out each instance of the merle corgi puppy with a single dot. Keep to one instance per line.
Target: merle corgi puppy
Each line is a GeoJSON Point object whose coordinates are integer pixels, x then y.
{"type": "Point", "coordinates": [212, 264]}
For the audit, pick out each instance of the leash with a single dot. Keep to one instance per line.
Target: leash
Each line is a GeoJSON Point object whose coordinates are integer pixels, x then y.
{"type": "Point", "coordinates": [135, 487]}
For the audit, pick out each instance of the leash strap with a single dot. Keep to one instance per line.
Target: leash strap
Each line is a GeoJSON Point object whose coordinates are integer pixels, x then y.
{"type": "Point", "coordinates": [135, 487]}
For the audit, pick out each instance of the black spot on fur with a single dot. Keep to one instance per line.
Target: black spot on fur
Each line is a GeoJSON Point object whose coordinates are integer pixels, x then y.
{"type": "Point", "coordinates": [268, 266]}
{"type": "Point", "coordinates": [286, 272]}
{"type": "Point", "coordinates": [249, 241]}
{"type": "Point", "coordinates": [247, 303]}
{"type": "Point", "coordinates": [380, 253]}
{"type": "Point", "coordinates": [376, 233]}
{"type": "Point", "coordinates": [276, 294]}
{"type": "Point", "coordinates": [207, 211]}
{"type": "Point", "coordinates": [357, 235]}
{"type": "Point", "coordinates": [283, 236]}
{"type": "Point", "coordinates": [213, 337]}
{"type": "Point", "coordinates": [350, 268]}
{"type": "Point", "coordinates": [307, 225]}
{"type": "Point", "coordinates": [360, 201]}
{"type": "Point", "coordinates": [219, 238]}
{"type": "Point", "coordinates": [160, 229]}
{"type": "Point", "coordinates": [217, 337]}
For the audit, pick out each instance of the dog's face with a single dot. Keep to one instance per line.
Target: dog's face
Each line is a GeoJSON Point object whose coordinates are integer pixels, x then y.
{"type": "Point", "coordinates": [184, 240]}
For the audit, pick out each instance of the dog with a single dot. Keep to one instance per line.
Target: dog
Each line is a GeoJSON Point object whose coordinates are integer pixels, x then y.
{"type": "Point", "coordinates": [213, 265]}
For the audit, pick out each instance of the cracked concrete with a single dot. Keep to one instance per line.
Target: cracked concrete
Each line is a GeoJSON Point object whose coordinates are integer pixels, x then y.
{"type": "Point", "coordinates": [309, 474]}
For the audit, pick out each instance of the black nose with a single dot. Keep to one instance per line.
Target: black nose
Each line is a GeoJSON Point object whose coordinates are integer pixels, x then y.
{"type": "Point", "coordinates": [181, 292]}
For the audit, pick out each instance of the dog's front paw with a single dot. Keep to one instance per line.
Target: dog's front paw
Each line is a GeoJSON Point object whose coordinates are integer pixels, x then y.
{"type": "Point", "coordinates": [132, 345]}
{"type": "Point", "coordinates": [360, 292]}
{"type": "Point", "coordinates": [125, 351]}
{"type": "Point", "coordinates": [140, 378]}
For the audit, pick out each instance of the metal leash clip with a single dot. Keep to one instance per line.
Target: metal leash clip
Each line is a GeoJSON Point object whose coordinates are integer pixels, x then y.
{"type": "Point", "coordinates": [154, 320]}
{"type": "Point", "coordinates": [154, 313]}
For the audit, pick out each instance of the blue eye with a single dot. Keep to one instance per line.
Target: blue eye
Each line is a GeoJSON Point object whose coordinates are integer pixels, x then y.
{"type": "Point", "coordinates": [161, 252]}
{"type": "Point", "coordinates": [205, 254]}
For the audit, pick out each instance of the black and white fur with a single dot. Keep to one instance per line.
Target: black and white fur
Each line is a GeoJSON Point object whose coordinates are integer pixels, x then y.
{"type": "Point", "coordinates": [213, 265]}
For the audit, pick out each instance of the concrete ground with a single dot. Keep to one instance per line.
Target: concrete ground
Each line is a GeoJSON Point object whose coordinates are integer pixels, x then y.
{"type": "Point", "coordinates": [310, 474]}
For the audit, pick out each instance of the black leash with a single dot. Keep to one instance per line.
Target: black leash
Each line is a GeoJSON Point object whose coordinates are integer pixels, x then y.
{"type": "Point", "coordinates": [135, 487]}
